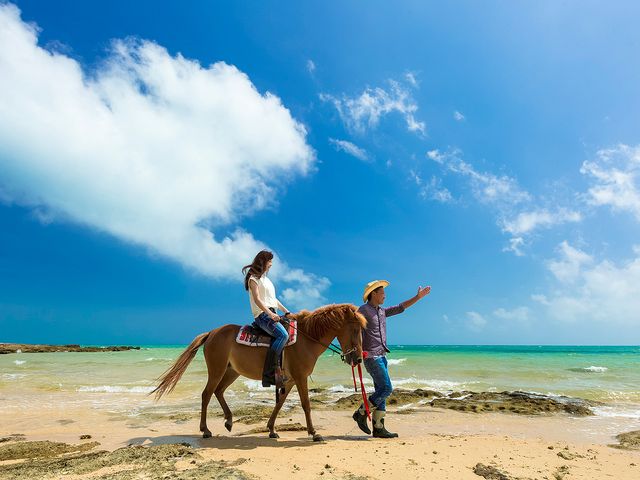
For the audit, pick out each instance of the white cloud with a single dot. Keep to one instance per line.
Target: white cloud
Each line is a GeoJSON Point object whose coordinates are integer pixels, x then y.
{"type": "Point", "coordinates": [308, 291]}
{"type": "Point", "coordinates": [518, 213]}
{"type": "Point", "coordinates": [519, 314]}
{"type": "Point", "coordinates": [568, 267]}
{"type": "Point", "coordinates": [540, 298]}
{"type": "Point", "coordinates": [526, 222]}
{"type": "Point", "coordinates": [486, 187]}
{"type": "Point", "coordinates": [590, 291]}
{"type": "Point", "coordinates": [410, 77]}
{"type": "Point", "coordinates": [432, 190]}
{"type": "Point", "coordinates": [458, 116]}
{"type": "Point", "coordinates": [515, 246]}
{"type": "Point", "coordinates": [350, 148]}
{"type": "Point", "coordinates": [311, 66]}
{"type": "Point", "coordinates": [475, 321]}
{"type": "Point", "coordinates": [149, 147]}
{"type": "Point", "coordinates": [615, 174]}
{"type": "Point", "coordinates": [365, 111]}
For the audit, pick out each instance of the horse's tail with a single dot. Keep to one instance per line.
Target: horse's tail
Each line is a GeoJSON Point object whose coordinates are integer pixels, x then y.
{"type": "Point", "coordinates": [170, 378]}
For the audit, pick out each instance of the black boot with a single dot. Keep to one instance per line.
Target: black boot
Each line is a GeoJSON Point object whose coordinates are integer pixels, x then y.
{"type": "Point", "coordinates": [378, 426]}
{"type": "Point", "coordinates": [360, 416]}
{"type": "Point", "coordinates": [269, 370]}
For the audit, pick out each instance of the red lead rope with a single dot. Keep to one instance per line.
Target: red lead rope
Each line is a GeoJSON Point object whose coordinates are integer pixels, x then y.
{"type": "Point", "coordinates": [364, 393]}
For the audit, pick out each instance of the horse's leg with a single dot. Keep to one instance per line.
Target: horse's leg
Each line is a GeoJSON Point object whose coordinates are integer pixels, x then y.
{"type": "Point", "coordinates": [206, 397]}
{"type": "Point", "coordinates": [271, 424]}
{"type": "Point", "coordinates": [230, 376]}
{"type": "Point", "coordinates": [216, 366]}
{"type": "Point", "coordinates": [303, 390]}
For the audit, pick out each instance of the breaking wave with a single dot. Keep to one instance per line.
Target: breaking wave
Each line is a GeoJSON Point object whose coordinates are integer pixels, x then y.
{"type": "Point", "coordinates": [396, 361]}
{"type": "Point", "coordinates": [591, 369]}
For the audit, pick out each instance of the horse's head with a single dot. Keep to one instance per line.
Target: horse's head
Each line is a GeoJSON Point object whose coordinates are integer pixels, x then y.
{"type": "Point", "coordinates": [350, 335]}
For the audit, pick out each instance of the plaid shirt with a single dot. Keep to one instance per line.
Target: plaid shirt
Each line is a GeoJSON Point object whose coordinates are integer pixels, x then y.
{"type": "Point", "coordinates": [374, 338]}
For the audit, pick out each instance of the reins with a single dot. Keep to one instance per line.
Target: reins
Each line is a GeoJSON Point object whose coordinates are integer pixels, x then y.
{"type": "Point", "coordinates": [334, 348]}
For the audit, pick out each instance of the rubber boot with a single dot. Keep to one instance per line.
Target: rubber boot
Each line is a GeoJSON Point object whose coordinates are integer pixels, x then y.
{"type": "Point", "coordinates": [379, 431]}
{"type": "Point", "coordinates": [269, 370]}
{"type": "Point", "coordinates": [360, 416]}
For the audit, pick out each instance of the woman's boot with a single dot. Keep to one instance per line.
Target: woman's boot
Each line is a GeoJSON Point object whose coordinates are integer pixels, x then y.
{"type": "Point", "coordinates": [269, 370]}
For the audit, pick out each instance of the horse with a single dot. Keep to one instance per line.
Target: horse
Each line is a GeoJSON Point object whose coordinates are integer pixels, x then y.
{"type": "Point", "coordinates": [227, 360]}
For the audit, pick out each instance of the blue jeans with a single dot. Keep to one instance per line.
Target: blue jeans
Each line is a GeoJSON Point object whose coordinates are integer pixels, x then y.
{"type": "Point", "coordinates": [275, 329]}
{"type": "Point", "coordinates": [379, 371]}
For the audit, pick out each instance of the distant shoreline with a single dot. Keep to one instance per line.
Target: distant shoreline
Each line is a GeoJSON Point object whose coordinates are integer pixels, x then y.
{"type": "Point", "coordinates": [6, 348]}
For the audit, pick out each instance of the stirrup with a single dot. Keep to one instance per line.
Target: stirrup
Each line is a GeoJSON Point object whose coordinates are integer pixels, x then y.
{"type": "Point", "coordinates": [281, 379]}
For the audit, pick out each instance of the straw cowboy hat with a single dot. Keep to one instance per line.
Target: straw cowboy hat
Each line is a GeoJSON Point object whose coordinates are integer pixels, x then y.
{"type": "Point", "coordinates": [371, 286]}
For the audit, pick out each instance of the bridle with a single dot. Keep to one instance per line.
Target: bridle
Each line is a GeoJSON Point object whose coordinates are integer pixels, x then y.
{"type": "Point", "coordinates": [331, 346]}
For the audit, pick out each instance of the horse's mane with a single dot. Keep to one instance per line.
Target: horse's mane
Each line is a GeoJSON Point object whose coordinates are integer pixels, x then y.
{"type": "Point", "coordinates": [329, 317]}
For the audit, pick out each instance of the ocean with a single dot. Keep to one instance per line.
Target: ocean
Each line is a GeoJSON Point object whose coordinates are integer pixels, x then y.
{"type": "Point", "coordinates": [119, 382]}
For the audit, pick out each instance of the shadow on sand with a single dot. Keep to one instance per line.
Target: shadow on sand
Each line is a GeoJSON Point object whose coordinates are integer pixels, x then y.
{"type": "Point", "coordinates": [240, 442]}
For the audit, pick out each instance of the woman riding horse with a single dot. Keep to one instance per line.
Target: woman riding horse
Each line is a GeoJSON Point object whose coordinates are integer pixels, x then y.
{"type": "Point", "coordinates": [264, 303]}
{"type": "Point", "coordinates": [227, 359]}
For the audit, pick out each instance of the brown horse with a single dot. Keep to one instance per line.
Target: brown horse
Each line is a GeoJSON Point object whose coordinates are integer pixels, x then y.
{"type": "Point", "coordinates": [227, 360]}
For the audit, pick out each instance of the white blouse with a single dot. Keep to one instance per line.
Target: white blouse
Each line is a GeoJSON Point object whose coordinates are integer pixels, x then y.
{"type": "Point", "coordinates": [266, 292]}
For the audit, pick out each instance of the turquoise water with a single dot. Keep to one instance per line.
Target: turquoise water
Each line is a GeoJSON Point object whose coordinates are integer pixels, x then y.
{"type": "Point", "coordinates": [606, 374]}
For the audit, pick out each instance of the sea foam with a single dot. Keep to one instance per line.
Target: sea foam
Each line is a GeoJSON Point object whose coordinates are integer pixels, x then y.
{"type": "Point", "coordinates": [396, 361]}
{"type": "Point", "coordinates": [115, 389]}
{"type": "Point", "coordinates": [618, 411]}
{"type": "Point", "coordinates": [591, 369]}
{"type": "Point", "coordinates": [432, 384]}
{"type": "Point", "coordinates": [19, 362]}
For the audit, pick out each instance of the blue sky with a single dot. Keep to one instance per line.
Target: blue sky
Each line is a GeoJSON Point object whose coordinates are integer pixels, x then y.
{"type": "Point", "coordinates": [149, 149]}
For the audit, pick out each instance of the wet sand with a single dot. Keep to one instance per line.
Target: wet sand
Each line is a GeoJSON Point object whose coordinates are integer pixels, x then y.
{"type": "Point", "coordinates": [433, 443]}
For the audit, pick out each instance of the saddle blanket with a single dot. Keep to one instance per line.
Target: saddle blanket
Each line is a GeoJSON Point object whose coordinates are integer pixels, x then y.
{"type": "Point", "coordinates": [256, 337]}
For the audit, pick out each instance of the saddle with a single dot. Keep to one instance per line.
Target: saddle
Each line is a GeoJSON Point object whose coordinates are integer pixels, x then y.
{"type": "Point", "coordinates": [254, 336]}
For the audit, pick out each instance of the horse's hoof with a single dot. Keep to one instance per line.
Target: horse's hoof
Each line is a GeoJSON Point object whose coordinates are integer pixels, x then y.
{"type": "Point", "coordinates": [318, 438]}
{"type": "Point", "coordinates": [206, 434]}
{"type": "Point", "coordinates": [274, 435]}
{"type": "Point", "coordinates": [228, 425]}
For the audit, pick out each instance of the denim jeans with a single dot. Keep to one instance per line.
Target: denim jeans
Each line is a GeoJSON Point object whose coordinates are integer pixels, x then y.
{"type": "Point", "coordinates": [275, 329]}
{"type": "Point", "coordinates": [379, 371]}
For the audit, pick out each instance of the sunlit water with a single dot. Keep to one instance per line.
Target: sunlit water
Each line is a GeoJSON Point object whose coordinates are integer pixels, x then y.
{"type": "Point", "coordinates": [120, 381]}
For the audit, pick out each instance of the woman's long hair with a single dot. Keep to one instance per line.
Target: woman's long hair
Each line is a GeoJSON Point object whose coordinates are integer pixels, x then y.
{"type": "Point", "coordinates": [257, 267]}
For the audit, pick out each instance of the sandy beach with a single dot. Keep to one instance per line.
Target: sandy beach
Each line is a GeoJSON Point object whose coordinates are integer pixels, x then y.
{"type": "Point", "coordinates": [433, 443]}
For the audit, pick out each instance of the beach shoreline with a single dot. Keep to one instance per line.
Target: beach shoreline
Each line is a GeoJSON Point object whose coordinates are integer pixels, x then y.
{"type": "Point", "coordinates": [433, 442]}
{"type": "Point", "coordinates": [522, 412]}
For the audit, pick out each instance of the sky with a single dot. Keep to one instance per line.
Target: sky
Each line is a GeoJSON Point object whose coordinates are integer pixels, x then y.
{"type": "Point", "coordinates": [148, 150]}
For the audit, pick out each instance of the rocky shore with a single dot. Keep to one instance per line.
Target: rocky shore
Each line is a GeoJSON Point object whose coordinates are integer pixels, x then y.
{"type": "Point", "coordinates": [523, 403]}
{"type": "Point", "coordinates": [6, 348]}
{"type": "Point", "coordinates": [45, 459]}
{"type": "Point", "coordinates": [401, 401]}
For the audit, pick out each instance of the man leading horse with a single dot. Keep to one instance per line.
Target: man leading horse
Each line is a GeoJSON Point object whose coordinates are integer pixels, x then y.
{"type": "Point", "coordinates": [374, 342]}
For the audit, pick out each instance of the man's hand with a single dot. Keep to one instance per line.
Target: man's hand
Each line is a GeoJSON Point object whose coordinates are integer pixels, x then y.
{"type": "Point", "coordinates": [423, 292]}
